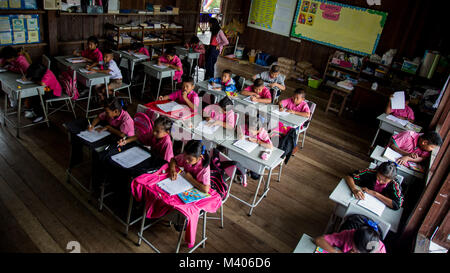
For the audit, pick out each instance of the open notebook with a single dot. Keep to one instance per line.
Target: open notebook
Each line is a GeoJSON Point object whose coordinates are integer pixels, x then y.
{"type": "Point", "coordinates": [176, 186]}
{"type": "Point", "coordinates": [204, 128]}
{"type": "Point", "coordinates": [391, 154]}
{"type": "Point", "coordinates": [93, 136]}
{"type": "Point", "coordinates": [171, 106]}
{"type": "Point", "coordinates": [249, 99]}
{"type": "Point", "coordinates": [130, 157]}
{"type": "Point", "coordinates": [280, 113]}
{"type": "Point", "coordinates": [246, 145]}
{"type": "Point", "coordinates": [372, 203]}
{"type": "Point", "coordinates": [395, 119]}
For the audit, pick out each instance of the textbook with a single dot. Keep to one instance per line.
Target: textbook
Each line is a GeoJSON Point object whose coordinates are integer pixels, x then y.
{"type": "Point", "coordinates": [192, 195]}
{"type": "Point", "coordinates": [176, 186]}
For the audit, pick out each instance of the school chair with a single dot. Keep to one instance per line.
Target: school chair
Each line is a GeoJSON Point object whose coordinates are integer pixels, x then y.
{"type": "Point", "coordinates": [65, 97]}
{"type": "Point", "coordinates": [124, 85]}
{"type": "Point", "coordinates": [46, 61]}
{"type": "Point", "coordinates": [312, 108]}
{"type": "Point", "coordinates": [356, 209]}
{"type": "Point", "coordinates": [239, 81]}
{"type": "Point", "coordinates": [209, 99]}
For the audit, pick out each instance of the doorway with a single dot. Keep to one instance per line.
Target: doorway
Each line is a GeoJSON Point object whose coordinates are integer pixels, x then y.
{"type": "Point", "coordinates": [209, 9]}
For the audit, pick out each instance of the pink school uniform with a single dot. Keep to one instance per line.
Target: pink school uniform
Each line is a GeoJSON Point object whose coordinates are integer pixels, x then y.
{"type": "Point", "coordinates": [19, 65]}
{"type": "Point", "coordinates": [344, 241]}
{"type": "Point", "coordinates": [192, 96]}
{"type": "Point", "coordinates": [215, 112]}
{"type": "Point", "coordinates": [143, 50]}
{"type": "Point", "coordinates": [95, 55]}
{"type": "Point", "coordinates": [404, 113]}
{"type": "Point", "coordinates": [290, 105]}
{"type": "Point", "coordinates": [162, 146]}
{"type": "Point", "coordinates": [52, 83]}
{"type": "Point", "coordinates": [263, 135]}
{"type": "Point", "coordinates": [197, 171]}
{"type": "Point", "coordinates": [124, 122]}
{"type": "Point", "coordinates": [175, 61]}
{"type": "Point", "coordinates": [265, 93]}
{"type": "Point", "coordinates": [407, 141]}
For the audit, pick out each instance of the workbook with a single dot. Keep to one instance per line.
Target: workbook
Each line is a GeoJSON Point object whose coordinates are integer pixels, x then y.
{"type": "Point", "coordinates": [93, 136]}
{"type": "Point", "coordinates": [24, 82]}
{"type": "Point", "coordinates": [246, 145]}
{"type": "Point", "coordinates": [192, 195]}
{"type": "Point", "coordinates": [171, 106]}
{"type": "Point", "coordinates": [372, 203]}
{"type": "Point", "coordinates": [391, 154]}
{"type": "Point", "coordinates": [176, 186]}
{"type": "Point", "coordinates": [402, 122]}
{"type": "Point", "coordinates": [130, 157]}
{"type": "Point", "coordinates": [249, 99]}
{"type": "Point", "coordinates": [398, 100]}
{"type": "Point", "coordinates": [204, 128]}
{"type": "Point", "coordinates": [280, 113]}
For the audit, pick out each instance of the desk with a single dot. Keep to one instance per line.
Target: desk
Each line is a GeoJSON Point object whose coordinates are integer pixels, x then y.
{"type": "Point", "coordinates": [305, 245]}
{"type": "Point", "coordinates": [391, 126]}
{"type": "Point", "coordinates": [158, 73]}
{"type": "Point", "coordinates": [377, 156]}
{"type": "Point", "coordinates": [129, 61]}
{"type": "Point", "coordinates": [11, 87]}
{"type": "Point", "coordinates": [191, 57]}
{"type": "Point", "coordinates": [253, 162]}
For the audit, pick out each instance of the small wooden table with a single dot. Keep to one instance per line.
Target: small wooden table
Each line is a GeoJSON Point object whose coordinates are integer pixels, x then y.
{"type": "Point", "coordinates": [338, 91]}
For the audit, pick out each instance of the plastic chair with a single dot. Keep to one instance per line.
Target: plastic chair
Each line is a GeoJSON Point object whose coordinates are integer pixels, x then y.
{"type": "Point", "coordinates": [46, 61]}
{"type": "Point", "coordinates": [355, 209]}
{"type": "Point", "coordinates": [64, 97]}
{"type": "Point", "coordinates": [312, 108]}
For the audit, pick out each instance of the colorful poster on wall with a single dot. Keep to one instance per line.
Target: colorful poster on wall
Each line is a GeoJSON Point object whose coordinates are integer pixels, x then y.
{"type": "Point", "coordinates": [348, 28]}
{"type": "Point", "coordinates": [272, 15]}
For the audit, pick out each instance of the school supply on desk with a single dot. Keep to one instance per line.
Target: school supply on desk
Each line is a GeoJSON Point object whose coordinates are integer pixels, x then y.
{"type": "Point", "coordinates": [231, 94]}
{"type": "Point", "coordinates": [215, 87]}
{"type": "Point", "coordinates": [320, 250]}
{"type": "Point", "coordinates": [24, 82]}
{"type": "Point", "coordinates": [131, 157]}
{"type": "Point", "coordinates": [84, 70]}
{"type": "Point", "coordinates": [171, 106]}
{"type": "Point", "coordinates": [93, 136]}
{"type": "Point", "coordinates": [398, 100]}
{"type": "Point", "coordinates": [192, 195]}
{"type": "Point", "coordinates": [372, 203]}
{"type": "Point", "coordinates": [205, 127]}
{"type": "Point", "coordinates": [160, 66]}
{"type": "Point", "coordinates": [280, 113]}
{"type": "Point", "coordinates": [76, 60]}
{"type": "Point", "coordinates": [413, 127]}
{"type": "Point", "coordinates": [391, 154]}
{"type": "Point", "coordinates": [416, 167]}
{"type": "Point", "coordinates": [246, 145]}
{"type": "Point", "coordinates": [140, 56]}
{"type": "Point", "coordinates": [176, 186]}
{"type": "Point", "coordinates": [402, 122]}
{"type": "Point", "coordinates": [249, 99]}
{"type": "Point", "coordinates": [3, 70]}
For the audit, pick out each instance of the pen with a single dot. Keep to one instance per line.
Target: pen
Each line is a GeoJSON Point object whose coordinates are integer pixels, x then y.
{"type": "Point", "coordinates": [89, 123]}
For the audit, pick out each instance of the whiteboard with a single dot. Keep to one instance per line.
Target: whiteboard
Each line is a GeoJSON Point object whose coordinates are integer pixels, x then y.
{"type": "Point", "coordinates": [272, 15]}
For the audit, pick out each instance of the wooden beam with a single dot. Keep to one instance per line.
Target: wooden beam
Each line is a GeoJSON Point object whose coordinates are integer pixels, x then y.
{"type": "Point", "coordinates": [52, 32]}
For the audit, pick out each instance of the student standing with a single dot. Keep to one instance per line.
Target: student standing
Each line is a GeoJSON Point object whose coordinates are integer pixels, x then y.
{"type": "Point", "coordinates": [216, 44]}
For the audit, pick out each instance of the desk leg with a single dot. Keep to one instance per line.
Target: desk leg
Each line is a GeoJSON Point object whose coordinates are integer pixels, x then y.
{"type": "Point", "coordinates": [196, 68]}
{"type": "Point", "coordinates": [5, 109]}
{"type": "Point", "coordinates": [343, 105]}
{"type": "Point", "coordinates": [43, 108]}
{"type": "Point", "coordinates": [130, 206]}
{"type": "Point", "coordinates": [89, 101]}
{"type": "Point", "coordinates": [106, 88]}
{"type": "Point", "coordinates": [19, 109]}
{"type": "Point", "coordinates": [172, 85]}
{"type": "Point", "coordinates": [159, 87]}
{"type": "Point", "coordinates": [143, 86]}
{"type": "Point", "coordinates": [376, 135]}
{"type": "Point", "coordinates": [256, 195]}
{"type": "Point", "coordinates": [131, 69]}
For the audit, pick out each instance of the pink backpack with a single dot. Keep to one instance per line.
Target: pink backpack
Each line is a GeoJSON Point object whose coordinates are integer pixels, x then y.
{"type": "Point", "coordinates": [143, 125]}
{"type": "Point", "coordinates": [69, 84]}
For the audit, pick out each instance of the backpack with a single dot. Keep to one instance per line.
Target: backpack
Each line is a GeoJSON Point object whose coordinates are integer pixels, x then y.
{"type": "Point", "coordinates": [69, 84]}
{"type": "Point", "coordinates": [143, 125]}
{"type": "Point", "coordinates": [217, 168]}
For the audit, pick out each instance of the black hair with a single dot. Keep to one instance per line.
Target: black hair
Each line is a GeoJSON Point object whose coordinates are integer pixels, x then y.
{"type": "Point", "coordinates": [214, 26]}
{"type": "Point", "coordinates": [301, 92]}
{"type": "Point", "coordinates": [36, 72]}
{"type": "Point", "coordinates": [196, 148]}
{"type": "Point", "coordinates": [136, 46]}
{"type": "Point", "coordinates": [388, 169]}
{"type": "Point", "coordinates": [9, 52]}
{"type": "Point", "coordinates": [432, 137]}
{"type": "Point", "coordinates": [275, 68]}
{"type": "Point", "coordinates": [112, 104]}
{"type": "Point", "coordinates": [258, 82]}
{"type": "Point", "coordinates": [366, 239]}
{"type": "Point", "coordinates": [407, 97]}
{"type": "Point", "coordinates": [165, 122]}
{"type": "Point", "coordinates": [107, 51]}
{"type": "Point", "coordinates": [227, 71]}
{"type": "Point", "coordinates": [194, 40]}
{"type": "Point", "coordinates": [170, 51]}
{"type": "Point", "coordinates": [188, 79]}
{"type": "Point", "coordinates": [94, 40]}
{"type": "Point", "coordinates": [223, 103]}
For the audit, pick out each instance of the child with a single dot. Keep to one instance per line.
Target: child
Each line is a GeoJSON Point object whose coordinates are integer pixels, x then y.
{"type": "Point", "coordinates": [379, 183]}
{"type": "Point", "coordinates": [119, 121]}
{"type": "Point", "coordinates": [273, 78]}
{"type": "Point", "coordinates": [296, 104]}
{"type": "Point", "coordinates": [186, 95]}
{"type": "Point", "coordinates": [195, 161]}
{"type": "Point", "coordinates": [258, 92]}
{"type": "Point", "coordinates": [414, 147]}
{"type": "Point", "coordinates": [197, 46]}
{"type": "Point", "coordinates": [256, 133]}
{"type": "Point", "coordinates": [13, 61]}
{"type": "Point", "coordinates": [158, 138]}
{"type": "Point", "coordinates": [406, 114]}
{"type": "Point", "coordinates": [41, 75]}
{"type": "Point", "coordinates": [220, 114]}
{"type": "Point", "coordinates": [92, 53]}
{"type": "Point", "coordinates": [172, 61]}
{"type": "Point", "coordinates": [365, 239]}
{"type": "Point", "coordinates": [226, 83]}
{"type": "Point", "coordinates": [139, 48]}
{"type": "Point", "coordinates": [111, 68]}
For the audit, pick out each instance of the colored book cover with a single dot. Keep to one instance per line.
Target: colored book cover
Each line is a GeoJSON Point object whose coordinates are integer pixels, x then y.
{"type": "Point", "coordinates": [33, 36]}
{"type": "Point", "coordinates": [15, 4]}
{"type": "Point", "coordinates": [19, 37]}
{"type": "Point", "coordinates": [32, 24]}
{"type": "Point", "coordinates": [320, 250]}
{"type": "Point", "coordinates": [231, 93]}
{"type": "Point", "coordinates": [18, 24]}
{"type": "Point", "coordinates": [192, 195]}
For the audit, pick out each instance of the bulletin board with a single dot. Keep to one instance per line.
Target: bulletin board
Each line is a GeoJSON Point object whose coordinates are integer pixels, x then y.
{"type": "Point", "coordinates": [19, 29]}
{"type": "Point", "coordinates": [349, 28]}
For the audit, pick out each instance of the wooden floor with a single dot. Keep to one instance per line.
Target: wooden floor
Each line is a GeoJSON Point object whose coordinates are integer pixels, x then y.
{"type": "Point", "coordinates": [41, 212]}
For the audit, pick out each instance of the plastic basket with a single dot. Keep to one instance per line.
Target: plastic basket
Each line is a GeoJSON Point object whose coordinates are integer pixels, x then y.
{"type": "Point", "coordinates": [314, 83]}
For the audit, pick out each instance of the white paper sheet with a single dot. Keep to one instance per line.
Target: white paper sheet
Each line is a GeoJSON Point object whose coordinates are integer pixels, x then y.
{"type": "Point", "coordinates": [391, 154]}
{"type": "Point", "coordinates": [250, 100]}
{"type": "Point", "coordinates": [171, 106]}
{"type": "Point", "coordinates": [3, 70]}
{"type": "Point", "coordinates": [402, 122]}
{"type": "Point", "coordinates": [398, 100]}
{"type": "Point", "coordinates": [204, 128]}
{"type": "Point", "coordinates": [24, 82]}
{"type": "Point", "coordinates": [160, 66]}
{"type": "Point", "coordinates": [83, 70]}
{"type": "Point", "coordinates": [93, 136]}
{"type": "Point", "coordinates": [216, 87]}
{"type": "Point", "coordinates": [140, 56]}
{"type": "Point", "coordinates": [131, 157]}
{"type": "Point", "coordinates": [176, 186]}
{"type": "Point", "coordinates": [246, 145]}
{"type": "Point", "coordinates": [280, 113]}
{"type": "Point", "coordinates": [75, 60]}
{"type": "Point", "coordinates": [372, 203]}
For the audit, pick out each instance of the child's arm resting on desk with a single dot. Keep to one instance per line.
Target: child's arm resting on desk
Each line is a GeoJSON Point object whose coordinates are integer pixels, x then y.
{"type": "Point", "coordinates": [123, 142]}
{"type": "Point", "coordinates": [202, 187]}
{"type": "Point", "coordinates": [303, 114]}
{"type": "Point", "coordinates": [321, 242]}
{"type": "Point", "coordinates": [352, 185]}
{"type": "Point", "coordinates": [94, 122]}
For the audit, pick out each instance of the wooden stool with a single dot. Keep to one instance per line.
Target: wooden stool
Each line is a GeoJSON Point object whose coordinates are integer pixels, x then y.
{"type": "Point", "coordinates": [344, 93]}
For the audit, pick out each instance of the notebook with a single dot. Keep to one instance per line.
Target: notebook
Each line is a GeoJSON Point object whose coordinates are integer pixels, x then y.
{"type": "Point", "coordinates": [171, 106]}
{"type": "Point", "coordinates": [130, 157]}
{"type": "Point", "coordinates": [176, 186]}
{"type": "Point", "coordinates": [216, 87]}
{"type": "Point", "coordinates": [76, 60]}
{"type": "Point", "coordinates": [249, 99]}
{"type": "Point", "coordinates": [24, 82]}
{"type": "Point", "coordinates": [93, 136]}
{"type": "Point", "coordinates": [231, 93]}
{"type": "Point", "coordinates": [204, 128]}
{"type": "Point", "coordinates": [192, 195]}
{"type": "Point", "coordinates": [372, 203]}
{"type": "Point", "coordinates": [246, 145]}
{"type": "Point", "coordinates": [398, 100]}
{"type": "Point", "coordinates": [391, 154]}
{"type": "Point", "coordinates": [140, 55]}
{"type": "Point", "coordinates": [280, 113]}
{"type": "Point", "coordinates": [402, 122]}
{"type": "Point", "coordinates": [160, 66]}
{"type": "Point", "coordinates": [84, 70]}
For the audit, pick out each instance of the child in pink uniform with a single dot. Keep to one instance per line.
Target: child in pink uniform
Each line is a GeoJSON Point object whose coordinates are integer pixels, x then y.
{"type": "Point", "coordinates": [407, 113]}
{"type": "Point", "coordinates": [139, 48]}
{"type": "Point", "coordinates": [414, 147]}
{"type": "Point", "coordinates": [119, 121]}
{"type": "Point", "coordinates": [158, 138]}
{"type": "Point", "coordinates": [186, 95]}
{"type": "Point", "coordinates": [258, 92]}
{"type": "Point", "coordinates": [173, 61]}
{"type": "Point", "coordinates": [222, 113]}
{"type": "Point", "coordinates": [92, 53]}
{"type": "Point", "coordinates": [195, 161]}
{"type": "Point", "coordinates": [197, 46]}
{"type": "Point", "coordinates": [13, 61]}
{"type": "Point", "coordinates": [296, 104]}
{"type": "Point", "coordinates": [256, 133]}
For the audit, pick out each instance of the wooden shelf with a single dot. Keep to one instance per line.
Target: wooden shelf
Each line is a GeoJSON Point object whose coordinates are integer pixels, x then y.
{"type": "Point", "coordinates": [112, 14]}
{"type": "Point", "coordinates": [26, 11]}
{"type": "Point", "coordinates": [27, 45]}
{"type": "Point", "coordinates": [335, 67]}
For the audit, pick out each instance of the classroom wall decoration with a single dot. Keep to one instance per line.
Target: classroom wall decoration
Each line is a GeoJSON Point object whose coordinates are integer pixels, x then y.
{"type": "Point", "coordinates": [18, 4]}
{"type": "Point", "coordinates": [349, 28]}
{"type": "Point", "coordinates": [19, 29]}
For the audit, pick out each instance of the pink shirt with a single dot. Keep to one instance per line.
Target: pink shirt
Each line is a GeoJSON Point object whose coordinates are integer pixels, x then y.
{"type": "Point", "coordinates": [162, 146]}
{"type": "Point", "coordinates": [95, 55]}
{"type": "Point", "coordinates": [290, 105]}
{"type": "Point", "coordinates": [407, 141]}
{"type": "Point", "coordinates": [215, 112]}
{"type": "Point", "coordinates": [197, 171]}
{"type": "Point", "coordinates": [143, 50]}
{"type": "Point", "coordinates": [265, 93]}
{"type": "Point", "coordinates": [124, 122]}
{"type": "Point", "coordinates": [344, 241]}
{"type": "Point", "coordinates": [51, 82]}
{"type": "Point", "coordinates": [175, 61]}
{"type": "Point", "coordinates": [19, 65]}
{"type": "Point", "coordinates": [404, 113]}
{"type": "Point", "coordinates": [263, 135]}
{"type": "Point", "coordinates": [192, 96]}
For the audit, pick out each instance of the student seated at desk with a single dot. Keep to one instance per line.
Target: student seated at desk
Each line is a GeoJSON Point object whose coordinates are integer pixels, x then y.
{"type": "Point", "coordinates": [173, 61]}
{"type": "Point", "coordinates": [414, 147]}
{"type": "Point", "coordinates": [13, 61]}
{"type": "Point", "coordinates": [256, 133]}
{"type": "Point", "coordinates": [258, 92]}
{"type": "Point", "coordinates": [296, 104]}
{"type": "Point", "coordinates": [379, 183]}
{"type": "Point", "coordinates": [406, 114]}
{"type": "Point", "coordinates": [119, 121]}
{"type": "Point", "coordinates": [157, 137]}
{"type": "Point", "coordinates": [186, 95]}
{"type": "Point", "coordinates": [222, 113]}
{"type": "Point", "coordinates": [195, 161]}
{"type": "Point", "coordinates": [197, 46]}
{"type": "Point", "coordinates": [365, 239]}
{"type": "Point", "coordinates": [39, 74]}
{"type": "Point", "coordinates": [92, 53]}
{"type": "Point", "coordinates": [225, 83]}
{"type": "Point", "coordinates": [111, 68]}
{"type": "Point", "coordinates": [273, 78]}
{"type": "Point", "coordinates": [139, 48]}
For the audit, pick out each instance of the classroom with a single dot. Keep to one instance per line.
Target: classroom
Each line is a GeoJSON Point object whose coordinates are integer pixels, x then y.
{"type": "Point", "coordinates": [220, 126]}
